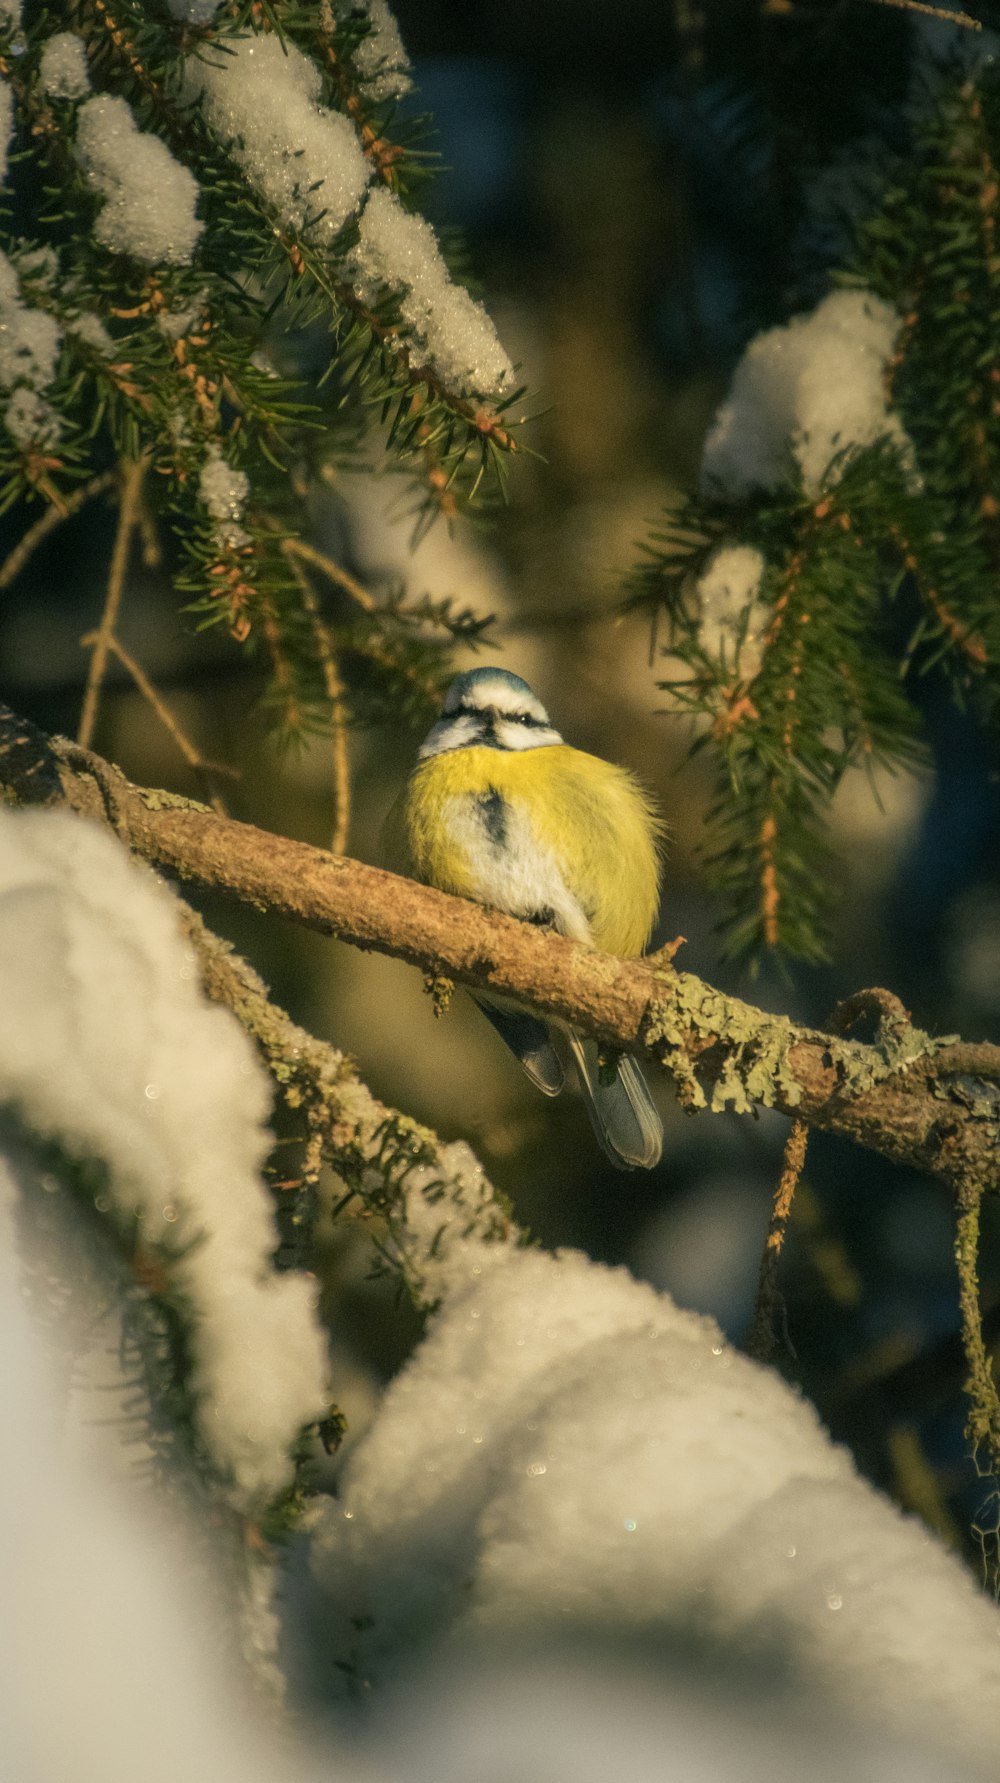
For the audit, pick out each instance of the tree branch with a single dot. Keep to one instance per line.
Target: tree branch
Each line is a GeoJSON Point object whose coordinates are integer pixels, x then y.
{"type": "Point", "coordinates": [720, 1050]}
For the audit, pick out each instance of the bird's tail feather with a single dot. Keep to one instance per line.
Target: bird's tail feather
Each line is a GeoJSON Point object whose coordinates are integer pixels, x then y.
{"type": "Point", "coordinates": [622, 1112]}
{"type": "Point", "coordinates": [528, 1039]}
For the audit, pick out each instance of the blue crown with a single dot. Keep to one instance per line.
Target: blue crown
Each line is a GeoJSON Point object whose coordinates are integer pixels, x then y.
{"type": "Point", "coordinates": [473, 679]}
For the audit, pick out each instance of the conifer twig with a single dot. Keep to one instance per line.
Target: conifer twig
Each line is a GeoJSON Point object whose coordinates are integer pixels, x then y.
{"type": "Point", "coordinates": [762, 1338]}
{"type": "Point", "coordinates": [983, 1424]}
{"type": "Point", "coordinates": [334, 689]}
{"type": "Point", "coordinates": [47, 523]}
{"type": "Point", "coordinates": [128, 515]}
{"type": "Point", "coordinates": [199, 766]}
{"type": "Point", "coordinates": [934, 12]}
{"type": "Point", "coordinates": [306, 553]}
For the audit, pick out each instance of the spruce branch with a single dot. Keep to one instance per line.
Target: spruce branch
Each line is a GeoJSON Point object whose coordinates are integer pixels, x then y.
{"type": "Point", "coordinates": [888, 1096]}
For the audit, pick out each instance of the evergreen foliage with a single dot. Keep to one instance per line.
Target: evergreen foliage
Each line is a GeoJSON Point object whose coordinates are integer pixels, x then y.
{"type": "Point", "coordinates": [883, 575]}
{"type": "Point", "coordinates": [191, 363]}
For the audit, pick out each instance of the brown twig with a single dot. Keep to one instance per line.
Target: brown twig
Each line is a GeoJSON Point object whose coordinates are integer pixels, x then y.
{"type": "Point", "coordinates": [762, 1335]}
{"type": "Point", "coordinates": [983, 1423]}
{"type": "Point", "coordinates": [934, 12]}
{"type": "Point", "coordinates": [128, 515]}
{"type": "Point", "coordinates": [702, 1037]}
{"type": "Point", "coordinates": [318, 560]}
{"type": "Point", "coordinates": [198, 764]}
{"type": "Point", "coordinates": [52, 518]}
{"type": "Point", "coordinates": [334, 689]}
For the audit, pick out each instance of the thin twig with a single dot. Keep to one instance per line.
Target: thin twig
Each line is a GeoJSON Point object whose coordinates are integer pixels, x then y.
{"type": "Point", "coordinates": [983, 1423]}
{"type": "Point", "coordinates": [298, 548]}
{"type": "Point", "coordinates": [198, 764]}
{"type": "Point", "coordinates": [334, 688]}
{"type": "Point", "coordinates": [934, 12]}
{"type": "Point", "coordinates": [762, 1337]}
{"type": "Point", "coordinates": [52, 518]}
{"type": "Point", "coordinates": [128, 514]}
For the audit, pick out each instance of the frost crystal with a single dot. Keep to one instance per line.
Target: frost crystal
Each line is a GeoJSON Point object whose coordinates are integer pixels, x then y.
{"type": "Point", "coordinates": [260, 98]}
{"type": "Point", "coordinates": [570, 1452]}
{"type": "Point", "coordinates": [732, 620]}
{"type": "Point", "coordinates": [810, 391]}
{"type": "Point", "coordinates": [151, 198]}
{"type": "Point", "coordinates": [398, 253]}
{"type": "Point", "coordinates": [107, 1044]}
{"type": "Point", "coordinates": [63, 72]}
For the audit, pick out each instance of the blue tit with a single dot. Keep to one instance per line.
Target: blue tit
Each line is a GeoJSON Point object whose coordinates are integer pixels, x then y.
{"type": "Point", "coordinates": [500, 810]}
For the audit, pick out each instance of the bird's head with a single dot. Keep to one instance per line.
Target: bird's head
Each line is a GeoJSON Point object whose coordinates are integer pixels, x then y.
{"type": "Point", "coordinates": [493, 709]}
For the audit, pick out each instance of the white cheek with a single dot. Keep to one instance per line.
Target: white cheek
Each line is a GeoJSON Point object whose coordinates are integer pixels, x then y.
{"type": "Point", "coordinates": [525, 736]}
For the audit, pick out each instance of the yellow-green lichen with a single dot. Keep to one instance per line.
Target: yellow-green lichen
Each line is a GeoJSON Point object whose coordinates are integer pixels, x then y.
{"type": "Point", "coordinates": [156, 800]}
{"type": "Point", "coordinates": [755, 1068]}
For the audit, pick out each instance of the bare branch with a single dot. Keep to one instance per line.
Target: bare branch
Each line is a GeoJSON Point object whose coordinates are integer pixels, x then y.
{"type": "Point", "coordinates": [334, 689]}
{"type": "Point", "coordinates": [883, 1096]}
{"type": "Point", "coordinates": [934, 12]}
{"type": "Point", "coordinates": [334, 573]}
{"type": "Point", "coordinates": [195, 761]}
{"type": "Point", "coordinates": [52, 518]}
{"type": "Point", "coordinates": [128, 518]}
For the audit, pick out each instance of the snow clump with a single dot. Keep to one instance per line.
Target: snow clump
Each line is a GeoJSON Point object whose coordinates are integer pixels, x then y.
{"type": "Point", "coordinates": [398, 253]}
{"type": "Point", "coordinates": [261, 99]}
{"type": "Point", "coordinates": [29, 355]}
{"type": "Point", "coordinates": [151, 198]}
{"type": "Point", "coordinates": [380, 61]}
{"type": "Point", "coordinates": [108, 1046]}
{"type": "Point", "coordinates": [63, 71]}
{"type": "Point", "coordinates": [569, 1452]}
{"type": "Point", "coordinates": [224, 491]}
{"type": "Point", "coordinates": [732, 621]}
{"type": "Point", "coordinates": [806, 392]}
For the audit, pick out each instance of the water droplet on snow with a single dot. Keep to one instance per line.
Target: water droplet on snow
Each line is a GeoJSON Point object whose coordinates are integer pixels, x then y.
{"type": "Point", "coordinates": [791, 1552]}
{"type": "Point", "coordinates": [534, 1468]}
{"type": "Point", "coordinates": [630, 1524]}
{"type": "Point", "coordinates": [834, 1602]}
{"type": "Point", "coordinates": [152, 1091]}
{"type": "Point", "coordinates": [170, 1213]}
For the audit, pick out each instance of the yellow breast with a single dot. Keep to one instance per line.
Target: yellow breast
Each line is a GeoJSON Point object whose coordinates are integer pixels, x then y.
{"type": "Point", "coordinates": [556, 811]}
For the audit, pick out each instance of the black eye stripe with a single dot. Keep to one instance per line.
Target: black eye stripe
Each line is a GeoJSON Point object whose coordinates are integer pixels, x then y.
{"type": "Point", "coordinates": [491, 713]}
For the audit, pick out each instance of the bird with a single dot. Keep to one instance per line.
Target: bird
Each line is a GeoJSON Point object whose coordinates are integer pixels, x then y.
{"type": "Point", "coordinates": [499, 809]}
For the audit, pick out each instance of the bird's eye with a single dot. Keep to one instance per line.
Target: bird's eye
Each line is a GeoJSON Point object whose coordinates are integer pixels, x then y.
{"type": "Point", "coordinates": [521, 717]}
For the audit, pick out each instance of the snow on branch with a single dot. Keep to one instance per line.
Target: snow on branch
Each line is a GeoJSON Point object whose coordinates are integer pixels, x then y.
{"type": "Point", "coordinates": [262, 98]}
{"type": "Point", "coordinates": [803, 394]}
{"type": "Point", "coordinates": [149, 211]}
{"type": "Point", "coordinates": [108, 1047]}
{"type": "Point", "coordinates": [569, 1453]}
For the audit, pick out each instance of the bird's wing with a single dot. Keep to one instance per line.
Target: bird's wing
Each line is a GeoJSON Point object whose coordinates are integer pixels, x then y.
{"type": "Point", "coordinates": [528, 1039]}
{"type": "Point", "coordinates": [622, 1112]}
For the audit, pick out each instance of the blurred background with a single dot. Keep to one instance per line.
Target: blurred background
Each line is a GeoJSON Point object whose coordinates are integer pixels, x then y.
{"type": "Point", "coordinates": [639, 189]}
